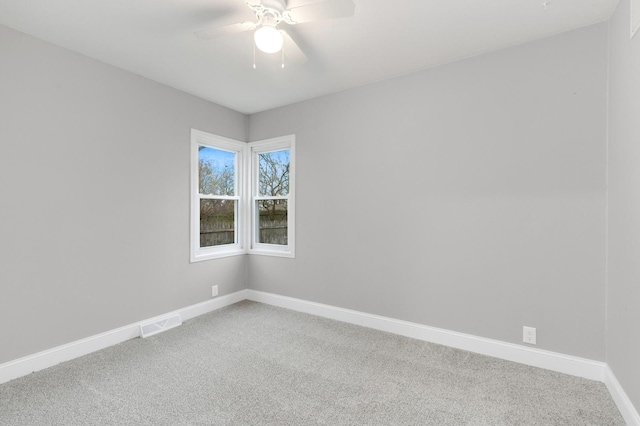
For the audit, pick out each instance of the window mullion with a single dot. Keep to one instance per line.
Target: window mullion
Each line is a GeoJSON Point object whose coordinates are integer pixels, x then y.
{"type": "Point", "coordinates": [219, 197]}
{"type": "Point", "coordinates": [271, 197]}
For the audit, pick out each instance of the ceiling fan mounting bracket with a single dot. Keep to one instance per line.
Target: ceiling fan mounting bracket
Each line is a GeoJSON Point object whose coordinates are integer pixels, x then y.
{"type": "Point", "coordinates": [271, 12]}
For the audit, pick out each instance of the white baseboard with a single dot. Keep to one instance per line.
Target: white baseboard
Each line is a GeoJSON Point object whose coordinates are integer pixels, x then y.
{"type": "Point", "coordinates": [581, 367]}
{"type": "Point", "coordinates": [628, 411]}
{"type": "Point", "coordinates": [26, 365]}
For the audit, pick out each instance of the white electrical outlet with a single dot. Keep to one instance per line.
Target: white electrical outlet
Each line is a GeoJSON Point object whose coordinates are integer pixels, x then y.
{"type": "Point", "coordinates": [529, 335]}
{"type": "Point", "coordinates": [214, 291]}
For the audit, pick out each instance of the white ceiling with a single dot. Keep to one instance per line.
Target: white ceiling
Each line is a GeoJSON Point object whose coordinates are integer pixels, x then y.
{"type": "Point", "coordinates": [385, 38]}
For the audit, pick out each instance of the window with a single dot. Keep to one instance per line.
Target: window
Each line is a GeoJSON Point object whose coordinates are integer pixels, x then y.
{"type": "Point", "coordinates": [228, 220]}
{"type": "Point", "coordinates": [216, 182]}
{"type": "Point", "coordinates": [272, 201]}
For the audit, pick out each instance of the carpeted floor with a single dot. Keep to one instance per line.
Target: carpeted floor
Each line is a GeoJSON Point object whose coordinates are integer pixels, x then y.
{"type": "Point", "coordinates": [254, 364]}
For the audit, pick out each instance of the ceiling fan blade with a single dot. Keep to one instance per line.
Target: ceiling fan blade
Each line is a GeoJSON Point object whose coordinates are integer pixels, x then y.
{"type": "Point", "coordinates": [292, 51]}
{"type": "Point", "coordinates": [226, 30]}
{"type": "Point", "coordinates": [328, 9]}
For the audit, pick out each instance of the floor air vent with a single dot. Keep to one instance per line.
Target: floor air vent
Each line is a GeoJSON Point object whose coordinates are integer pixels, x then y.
{"type": "Point", "coordinates": [160, 325]}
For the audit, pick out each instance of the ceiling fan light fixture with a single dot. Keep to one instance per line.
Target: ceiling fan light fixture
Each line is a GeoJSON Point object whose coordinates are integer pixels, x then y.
{"type": "Point", "coordinates": [268, 39]}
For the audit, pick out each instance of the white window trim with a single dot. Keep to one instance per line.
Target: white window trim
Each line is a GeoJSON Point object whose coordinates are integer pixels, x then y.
{"type": "Point", "coordinates": [246, 188]}
{"type": "Point", "coordinates": [239, 148]}
{"type": "Point", "coordinates": [275, 144]}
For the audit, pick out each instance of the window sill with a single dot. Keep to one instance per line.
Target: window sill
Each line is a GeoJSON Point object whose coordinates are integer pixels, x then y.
{"type": "Point", "coordinates": [273, 253]}
{"type": "Point", "coordinates": [199, 257]}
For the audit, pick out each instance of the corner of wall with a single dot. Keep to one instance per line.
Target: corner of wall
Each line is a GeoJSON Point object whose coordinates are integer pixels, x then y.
{"type": "Point", "coordinates": [247, 127]}
{"type": "Point", "coordinates": [606, 195]}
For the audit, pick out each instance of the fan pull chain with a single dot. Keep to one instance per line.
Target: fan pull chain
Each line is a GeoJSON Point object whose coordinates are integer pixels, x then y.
{"type": "Point", "coordinates": [254, 56]}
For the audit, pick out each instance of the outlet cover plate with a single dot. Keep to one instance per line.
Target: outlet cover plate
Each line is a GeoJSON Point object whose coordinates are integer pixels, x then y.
{"type": "Point", "coordinates": [529, 335]}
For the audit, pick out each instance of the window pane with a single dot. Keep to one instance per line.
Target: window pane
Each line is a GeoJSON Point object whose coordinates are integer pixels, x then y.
{"type": "Point", "coordinates": [217, 171]}
{"type": "Point", "coordinates": [271, 222]}
{"type": "Point", "coordinates": [217, 222]}
{"type": "Point", "coordinates": [273, 173]}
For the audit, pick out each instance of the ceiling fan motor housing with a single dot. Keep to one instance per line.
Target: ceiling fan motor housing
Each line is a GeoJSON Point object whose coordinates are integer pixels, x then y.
{"type": "Point", "coordinates": [279, 5]}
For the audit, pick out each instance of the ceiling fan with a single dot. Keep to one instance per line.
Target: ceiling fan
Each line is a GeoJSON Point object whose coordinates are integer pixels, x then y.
{"type": "Point", "coordinates": [268, 37]}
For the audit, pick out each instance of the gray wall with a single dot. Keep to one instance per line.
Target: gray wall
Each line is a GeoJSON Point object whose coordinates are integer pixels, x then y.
{"type": "Point", "coordinates": [94, 194]}
{"type": "Point", "coordinates": [623, 288]}
{"type": "Point", "coordinates": [469, 197]}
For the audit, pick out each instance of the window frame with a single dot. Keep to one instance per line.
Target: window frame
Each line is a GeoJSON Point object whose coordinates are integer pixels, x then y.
{"type": "Point", "coordinates": [246, 181]}
{"type": "Point", "coordinates": [200, 138]}
{"type": "Point", "coordinates": [260, 147]}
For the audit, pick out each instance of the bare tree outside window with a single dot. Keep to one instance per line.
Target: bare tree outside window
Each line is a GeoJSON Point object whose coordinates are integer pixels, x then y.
{"type": "Point", "coordinates": [216, 178]}
{"type": "Point", "coordinates": [273, 188]}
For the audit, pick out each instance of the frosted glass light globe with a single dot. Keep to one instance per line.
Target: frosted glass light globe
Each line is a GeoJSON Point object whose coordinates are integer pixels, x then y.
{"type": "Point", "coordinates": [268, 39]}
